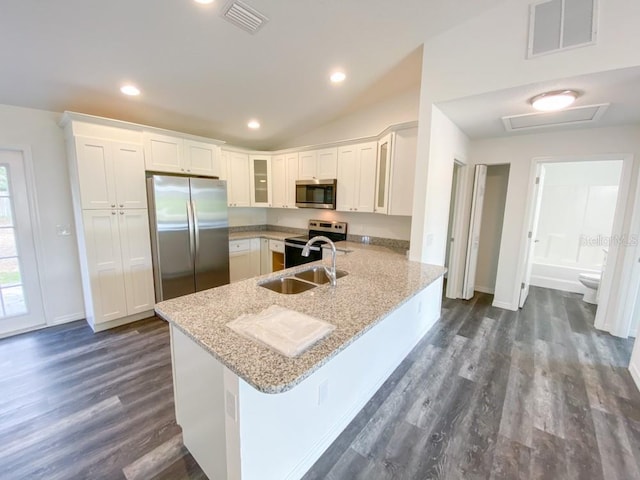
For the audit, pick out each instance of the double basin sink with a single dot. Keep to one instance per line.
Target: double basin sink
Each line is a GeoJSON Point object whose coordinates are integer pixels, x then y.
{"type": "Point", "coordinates": [301, 281]}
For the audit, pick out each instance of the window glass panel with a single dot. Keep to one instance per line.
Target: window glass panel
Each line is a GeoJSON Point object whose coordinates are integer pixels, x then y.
{"type": "Point", "coordinates": [6, 218]}
{"type": "Point", "coordinates": [9, 272]}
{"type": "Point", "coordinates": [7, 243]}
{"type": "Point", "coordinates": [4, 180]}
{"type": "Point", "coordinates": [14, 301]}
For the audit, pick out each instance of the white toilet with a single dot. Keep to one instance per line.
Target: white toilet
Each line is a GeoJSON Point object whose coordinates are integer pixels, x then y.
{"type": "Point", "coordinates": [592, 282]}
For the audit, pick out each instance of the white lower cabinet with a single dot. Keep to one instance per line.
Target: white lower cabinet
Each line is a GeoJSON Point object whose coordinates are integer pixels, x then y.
{"type": "Point", "coordinates": [244, 259]}
{"type": "Point", "coordinates": [118, 262]}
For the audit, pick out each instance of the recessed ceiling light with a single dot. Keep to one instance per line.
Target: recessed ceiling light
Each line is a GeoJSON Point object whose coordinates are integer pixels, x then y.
{"type": "Point", "coordinates": [130, 90]}
{"type": "Point", "coordinates": [551, 101]}
{"type": "Point", "coordinates": [253, 124]}
{"type": "Point", "coordinates": [338, 77]}
{"type": "Point", "coordinates": [203, 2]}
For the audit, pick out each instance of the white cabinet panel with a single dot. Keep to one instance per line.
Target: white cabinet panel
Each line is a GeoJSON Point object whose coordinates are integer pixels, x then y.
{"type": "Point", "coordinates": [202, 158]}
{"type": "Point", "coordinates": [95, 171]}
{"type": "Point", "coordinates": [284, 173]}
{"type": "Point", "coordinates": [101, 234]}
{"type": "Point", "coordinates": [320, 164]}
{"type": "Point", "coordinates": [405, 149]}
{"type": "Point", "coordinates": [356, 177]}
{"type": "Point", "coordinates": [238, 182]}
{"type": "Point", "coordinates": [136, 260]}
{"type": "Point", "coordinates": [163, 153]}
{"type": "Point", "coordinates": [244, 263]}
{"type": "Point", "coordinates": [327, 166]}
{"type": "Point", "coordinates": [130, 183]}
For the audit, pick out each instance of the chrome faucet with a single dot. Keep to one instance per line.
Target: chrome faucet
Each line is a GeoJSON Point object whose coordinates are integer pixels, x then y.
{"type": "Point", "coordinates": [331, 272]}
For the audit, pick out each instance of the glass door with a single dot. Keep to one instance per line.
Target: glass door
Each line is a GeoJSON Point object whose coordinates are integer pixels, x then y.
{"type": "Point", "coordinates": [20, 299]}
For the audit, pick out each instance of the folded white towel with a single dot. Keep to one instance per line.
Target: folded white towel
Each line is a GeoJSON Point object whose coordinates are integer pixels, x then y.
{"type": "Point", "coordinates": [286, 331]}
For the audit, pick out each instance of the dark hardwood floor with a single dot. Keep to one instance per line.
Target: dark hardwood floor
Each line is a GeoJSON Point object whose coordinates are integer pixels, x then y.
{"type": "Point", "coordinates": [488, 393]}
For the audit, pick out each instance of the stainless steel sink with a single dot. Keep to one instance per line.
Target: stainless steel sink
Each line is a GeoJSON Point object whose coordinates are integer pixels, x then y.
{"type": "Point", "coordinates": [318, 275]}
{"type": "Point", "coordinates": [287, 285]}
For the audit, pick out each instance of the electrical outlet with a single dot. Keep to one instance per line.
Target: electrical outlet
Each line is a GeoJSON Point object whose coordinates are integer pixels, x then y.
{"type": "Point", "coordinates": [63, 230]}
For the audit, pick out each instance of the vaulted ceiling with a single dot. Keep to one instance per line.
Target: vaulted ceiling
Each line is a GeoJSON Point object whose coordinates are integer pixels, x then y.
{"type": "Point", "coordinates": [202, 75]}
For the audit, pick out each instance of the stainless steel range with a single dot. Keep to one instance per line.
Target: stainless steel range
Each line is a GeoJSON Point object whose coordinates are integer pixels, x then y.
{"type": "Point", "coordinates": [336, 231]}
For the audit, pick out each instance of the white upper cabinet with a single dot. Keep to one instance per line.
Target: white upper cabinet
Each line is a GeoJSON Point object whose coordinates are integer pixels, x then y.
{"type": "Point", "coordinates": [395, 172]}
{"type": "Point", "coordinates": [318, 164]}
{"type": "Point", "coordinates": [284, 173]}
{"type": "Point", "coordinates": [260, 180]}
{"type": "Point", "coordinates": [202, 158]}
{"type": "Point", "coordinates": [237, 176]}
{"type": "Point", "coordinates": [356, 177]}
{"type": "Point", "coordinates": [110, 174]}
{"type": "Point", "coordinates": [165, 153]}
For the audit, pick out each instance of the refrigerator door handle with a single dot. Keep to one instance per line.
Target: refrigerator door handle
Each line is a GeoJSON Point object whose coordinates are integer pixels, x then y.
{"type": "Point", "coordinates": [196, 226]}
{"type": "Point", "coordinates": [190, 225]}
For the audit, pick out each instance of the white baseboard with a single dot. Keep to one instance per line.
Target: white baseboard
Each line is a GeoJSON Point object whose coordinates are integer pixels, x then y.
{"type": "Point", "coordinates": [557, 284]}
{"type": "Point", "coordinates": [635, 374]}
{"type": "Point", "coordinates": [482, 289]}
{"type": "Point", "coordinates": [72, 317]}
{"type": "Point", "coordinates": [505, 305]}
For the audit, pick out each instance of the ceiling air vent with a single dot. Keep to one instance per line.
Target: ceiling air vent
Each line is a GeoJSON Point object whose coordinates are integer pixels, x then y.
{"type": "Point", "coordinates": [566, 117]}
{"type": "Point", "coordinates": [556, 25]}
{"type": "Point", "coordinates": [244, 16]}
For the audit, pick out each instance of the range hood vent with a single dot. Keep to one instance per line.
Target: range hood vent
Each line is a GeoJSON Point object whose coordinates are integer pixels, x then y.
{"type": "Point", "coordinates": [244, 16]}
{"type": "Point", "coordinates": [568, 116]}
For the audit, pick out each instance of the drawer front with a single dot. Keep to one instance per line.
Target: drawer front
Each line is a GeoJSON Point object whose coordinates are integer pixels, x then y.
{"type": "Point", "coordinates": [276, 246]}
{"type": "Point", "coordinates": [236, 246]}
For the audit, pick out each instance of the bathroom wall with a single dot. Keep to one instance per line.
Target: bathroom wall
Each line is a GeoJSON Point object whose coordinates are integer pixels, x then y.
{"type": "Point", "coordinates": [576, 218]}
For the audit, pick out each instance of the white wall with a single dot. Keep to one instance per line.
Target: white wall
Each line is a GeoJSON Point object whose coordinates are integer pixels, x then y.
{"type": "Point", "coordinates": [372, 224]}
{"type": "Point", "coordinates": [519, 151]}
{"type": "Point", "coordinates": [445, 143]}
{"type": "Point", "coordinates": [58, 267]}
{"type": "Point", "coordinates": [487, 53]}
{"type": "Point", "coordinates": [495, 195]}
{"type": "Point", "coordinates": [367, 122]}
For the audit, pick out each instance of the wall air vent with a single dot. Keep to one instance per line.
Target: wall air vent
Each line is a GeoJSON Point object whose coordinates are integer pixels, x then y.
{"type": "Point", "coordinates": [556, 25]}
{"type": "Point", "coordinates": [244, 16]}
{"type": "Point", "coordinates": [566, 117]}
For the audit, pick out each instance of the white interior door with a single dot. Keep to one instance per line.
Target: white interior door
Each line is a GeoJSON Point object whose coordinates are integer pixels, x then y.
{"type": "Point", "coordinates": [20, 295]}
{"type": "Point", "coordinates": [532, 234]}
{"type": "Point", "coordinates": [479, 181]}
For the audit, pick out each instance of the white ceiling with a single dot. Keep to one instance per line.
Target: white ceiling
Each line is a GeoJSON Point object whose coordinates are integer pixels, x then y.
{"type": "Point", "coordinates": [480, 116]}
{"type": "Point", "coordinates": [202, 75]}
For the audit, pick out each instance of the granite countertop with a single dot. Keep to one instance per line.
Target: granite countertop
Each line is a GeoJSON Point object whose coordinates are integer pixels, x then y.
{"type": "Point", "coordinates": [379, 281]}
{"type": "Point", "coordinates": [271, 235]}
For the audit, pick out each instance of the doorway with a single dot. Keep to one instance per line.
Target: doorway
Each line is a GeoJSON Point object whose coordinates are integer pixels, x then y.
{"type": "Point", "coordinates": [579, 208]}
{"type": "Point", "coordinates": [485, 228]}
{"type": "Point", "coordinates": [20, 295]}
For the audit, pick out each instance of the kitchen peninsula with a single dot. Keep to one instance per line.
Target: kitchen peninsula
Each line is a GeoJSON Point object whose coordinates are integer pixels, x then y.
{"type": "Point", "coordinates": [248, 412]}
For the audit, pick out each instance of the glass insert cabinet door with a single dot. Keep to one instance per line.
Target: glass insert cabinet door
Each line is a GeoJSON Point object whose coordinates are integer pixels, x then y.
{"type": "Point", "coordinates": [261, 181]}
{"type": "Point", "coordinates": [20, 299]}
{"type": "Point", "coordinates": [383, 170]}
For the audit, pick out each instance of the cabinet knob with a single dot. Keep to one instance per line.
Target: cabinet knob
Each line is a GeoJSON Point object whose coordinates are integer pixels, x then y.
{"type": "Point", "coordinates": [113, 213]}
{"type": "Point", "coordinates": [113, 205]}
{"type": "Point", "coordinates": [122, 205]}
{"type": "Point", "coordinates": [356, 209]}
{"type": "Point", "coordinates": [121, 212]}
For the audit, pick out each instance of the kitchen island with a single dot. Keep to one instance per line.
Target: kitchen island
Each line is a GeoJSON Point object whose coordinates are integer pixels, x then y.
{"type": "Point", "coordinates": [248, 412]}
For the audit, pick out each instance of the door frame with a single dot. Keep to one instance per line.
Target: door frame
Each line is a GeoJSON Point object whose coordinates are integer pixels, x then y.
{"type": "Point", "coordinates": [605, 312]}
{"type": "Point", "coordinates": [34, 218]}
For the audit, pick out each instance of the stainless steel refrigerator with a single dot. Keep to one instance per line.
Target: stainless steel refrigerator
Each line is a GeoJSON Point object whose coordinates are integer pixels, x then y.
{"type": "Point", "coordinates": [189, 234]}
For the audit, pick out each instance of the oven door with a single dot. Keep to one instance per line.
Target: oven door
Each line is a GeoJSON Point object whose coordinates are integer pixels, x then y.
{"type": "Point", "coordinates": [293, 254]}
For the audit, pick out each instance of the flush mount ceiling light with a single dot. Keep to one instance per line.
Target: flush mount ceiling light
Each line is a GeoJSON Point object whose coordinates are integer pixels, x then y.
{"type": "Point", "coordinates": [338, 77]}
{"type": "Point", "coordinates": [253, 124]}
{"type": "Point", "coordinates": [130, 90]}
{"type": "Point", "coordinates": [204, 2]}
{"type": "Point", "coordinates": [552, 101]}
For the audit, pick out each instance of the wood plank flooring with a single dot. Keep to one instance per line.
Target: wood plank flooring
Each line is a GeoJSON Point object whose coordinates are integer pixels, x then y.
{"type": "Point", "coordinates": [488, 394]}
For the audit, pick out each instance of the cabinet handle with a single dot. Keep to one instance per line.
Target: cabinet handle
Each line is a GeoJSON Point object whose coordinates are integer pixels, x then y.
{"type": "Point", "coordinates": [122, 205]}
{"type": "Point", "coordinates": [356, 209]}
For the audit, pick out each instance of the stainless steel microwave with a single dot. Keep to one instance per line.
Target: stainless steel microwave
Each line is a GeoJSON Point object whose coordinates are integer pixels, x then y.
{"type": "Point", "coordinates": [316, 193]}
